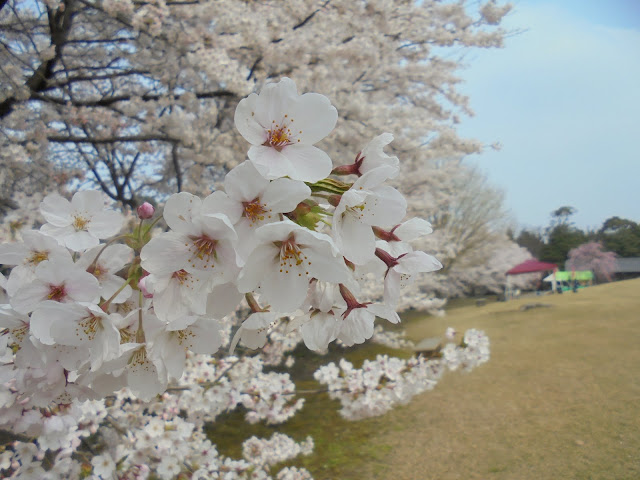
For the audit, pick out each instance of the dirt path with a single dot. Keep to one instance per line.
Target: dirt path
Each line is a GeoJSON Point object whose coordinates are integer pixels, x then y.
{"type": "Point", "coordinates": [559, 399]}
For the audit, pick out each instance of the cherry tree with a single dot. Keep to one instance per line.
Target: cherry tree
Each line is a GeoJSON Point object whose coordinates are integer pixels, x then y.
{"type": "Point", "coordinates": [140, 95]}
{"type": "Point", "coordinates": [591, 256]}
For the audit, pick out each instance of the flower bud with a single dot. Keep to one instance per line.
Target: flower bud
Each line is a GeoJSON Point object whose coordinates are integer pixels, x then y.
{"type": "Point", "coordinates": [145, 211]}
{"type": "Point", "coordinates": [143, 287]}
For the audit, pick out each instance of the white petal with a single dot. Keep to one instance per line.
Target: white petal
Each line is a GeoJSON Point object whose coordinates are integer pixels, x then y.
{"type": "Point", "coordinates": [223, 300]}
{"type": "Point", "coordinates": [168, 304]}
{"type": "Point", "coordinates": [386, 208]}
{"type": "Point", "coordinates": [80, 241]}
{"type": "Point", "coordinates": [13, 253]}
{"type": "Point", "coordinates": [88, 201]}
{"type": "Point", "coordinates": [357, 327]}
{"type": "Point", "coordinates": [416, 262]}
{"type": "Point", "coordinates": [392, 288]}
{"type": "Point", "coordinates": [269, 162]}
{"type": "Point", "coordinates": [283, 195]}
{"type": "Point", "coordinates": [180, 211]}
{"type": "Point", "coordinates": [206, 337]}
{"type": "Point", "coordinates": [320, 330]}
{"type": "Point", "coordinates": [358, 243]}
{"type": "Point", "coordinates": [275, 101]}
{"type": "Point", "coordinates": [244, 183]}
{"type": "Point", "coordinates": [83, 287]}
{"type": "Point", "coordinates": [375, 157]}
{"type": "Point", "coordinates": [314, 115]}
{"type": "Point", "coordinates": [412, 229]}
{"type": "Point", "coordinates": [165, 254]}
{"type": "Point", "coordinates": [308, 163]}
{"type": "Point", "coordinates": [324, 266]}
{"type": "Point", "coordinates": [219, 203]}
{"type": "Point", "coordinates": [56, 210]}
{"type": "Point", "coordinates": [384, 311]}
{"type": "Point", "coordinates": [262, 259]}
{"type": "Point", "coordinates": [144, 380]}
{"type": "Point", "coordinates": [246, 123]}
{"type": "Point", "coordinates": [110, 284]}
{"type": "Point", "coordinates": [285, 290]}
{"type": "Point", "coordinates": [106, 224]}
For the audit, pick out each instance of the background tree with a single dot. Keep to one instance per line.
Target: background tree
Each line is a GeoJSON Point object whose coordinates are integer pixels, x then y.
{"type": "Point", "coordinates": [621, 236]}
{"type": "Point", "coordinates": [141, 95]}
{"type": "Point", "coordinates": [532, 240]}
{"type": "Point", "coordinates": [562, 236]}
{"type": "Point", "coordinates": [591, 256]}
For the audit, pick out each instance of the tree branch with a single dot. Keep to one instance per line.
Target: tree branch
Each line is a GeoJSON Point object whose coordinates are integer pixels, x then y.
{"type": "Point", "coordinates": [106, 140]}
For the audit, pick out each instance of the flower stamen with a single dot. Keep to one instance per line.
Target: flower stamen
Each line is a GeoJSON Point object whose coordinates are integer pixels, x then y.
{"type": "Point", "coordinates": [56, 293]}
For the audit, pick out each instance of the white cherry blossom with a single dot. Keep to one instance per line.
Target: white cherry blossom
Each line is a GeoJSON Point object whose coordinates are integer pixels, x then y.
{"type": "Point", "coordinates": [261, 201]}
{"type": "Point", "coordinates": [282, 127]}
{"type": "Point", "coordinates": [200, 241]}
{"type": "Point", "coordinates": [27, 255]}
{"type": "Point", "coordinates": [401, 271]}
{"type": "Point", "coordinates": [286, 257]}
{"type": "Point", "coordinates": [111, 260]}
{"type": "Point", "coordinates": [81, 223]}
{"type": "Point", "coordinates": [58, 281]}
{"type": "Point", "coordinates": [366, 204]}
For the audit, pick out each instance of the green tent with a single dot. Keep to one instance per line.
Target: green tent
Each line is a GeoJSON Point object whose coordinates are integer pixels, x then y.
{"type": "Point", "coordinates": [562, 276]}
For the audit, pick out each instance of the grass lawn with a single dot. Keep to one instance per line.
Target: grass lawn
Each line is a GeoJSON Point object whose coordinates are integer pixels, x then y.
{"type": "Point", "coordinates": [559, 399]}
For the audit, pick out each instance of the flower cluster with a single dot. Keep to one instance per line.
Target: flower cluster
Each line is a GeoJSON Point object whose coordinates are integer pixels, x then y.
{"type": "Point", "coordinates": [386, 382]}
{"type": "Point", "coordinates": [142, 322]}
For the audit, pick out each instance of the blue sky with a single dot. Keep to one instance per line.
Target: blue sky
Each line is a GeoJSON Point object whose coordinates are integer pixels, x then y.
{"type": "Point", "coordinates": [563, 99]}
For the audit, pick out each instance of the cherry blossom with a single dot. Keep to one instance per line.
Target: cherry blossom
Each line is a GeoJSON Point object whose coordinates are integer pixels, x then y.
{"type": "Point", "coordinates": [366, 204]}
{"type": "Point", "coordinates": [58, 281]}
{"type": "Point", "coordinates": [81, 223]}
{"type": "Point", "coordinates": [282, 126]}
{"type": "Point", "coordinates": [200, 240]}
{"type": "Point", "coordinates": [262, 201]}
{"type": "Point", "coordinates": [286, 257]}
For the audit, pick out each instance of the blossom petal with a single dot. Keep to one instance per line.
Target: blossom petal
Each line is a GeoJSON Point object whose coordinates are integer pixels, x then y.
{"type": "Point", "coordinates": [244, 183]}
{"type": "Point", "coordinates": [358, 243]}
{"type": "Point", "coordinates": [275, 101]}
{"type": "Point", "coordinates": [246, 123]}
{"type": "Point", "coordinates": [165, 254]}
{"type": "Point", "coordinates": [309, 164]}
{"type": "Point", "coordinates": [88, 201]}
{"type": "Point", "coordinates": [285, 289]}
{"type": "Point", "coordinates": [416, 262]}
{"type": "Point", "coordinates": [56, 210]}
{"type": "Point", "coordinates": [283, 194]}
{"type": "Point", "coordinates": [269, 162]}
{"type": "Point", "coordinates": [105, 224]}
{"type": "Point", "coordinates": [261, 260]}
{"type": "Point", "coordinates": [180, 211]}
{"type": "Point", "coordinates": [314, 115]}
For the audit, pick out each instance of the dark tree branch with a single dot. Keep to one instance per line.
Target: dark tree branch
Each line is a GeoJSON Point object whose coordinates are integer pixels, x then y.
{"type": "Point", "coordinates": [107, 140]}
{"type": "Point", "coordinates": [176, 166]}
{"type": "Point", "coordinates": [254, 66]}
{"type": "Point", "coordinates": [59, 26]}
{"type": "Point", "coordinates": [108, 101]}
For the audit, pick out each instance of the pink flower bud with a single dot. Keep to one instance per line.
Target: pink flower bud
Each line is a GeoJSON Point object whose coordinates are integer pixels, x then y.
{"type": "Point", "coordinates": [143, 287]}
{"type": "Point", "coordinates": [146, 211]}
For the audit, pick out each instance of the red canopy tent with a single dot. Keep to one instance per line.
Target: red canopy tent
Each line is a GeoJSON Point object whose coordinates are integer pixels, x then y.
{"type": "Point", "coordinates": [532, 265]}
{"type": "Point", "coordinates": [529, 266]}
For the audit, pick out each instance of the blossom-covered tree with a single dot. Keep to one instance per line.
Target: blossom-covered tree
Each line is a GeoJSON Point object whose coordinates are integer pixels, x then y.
{"type": "Point", "coordinates": [591, 256]}
{"type": "Point", "coordinates": [141, 95]}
